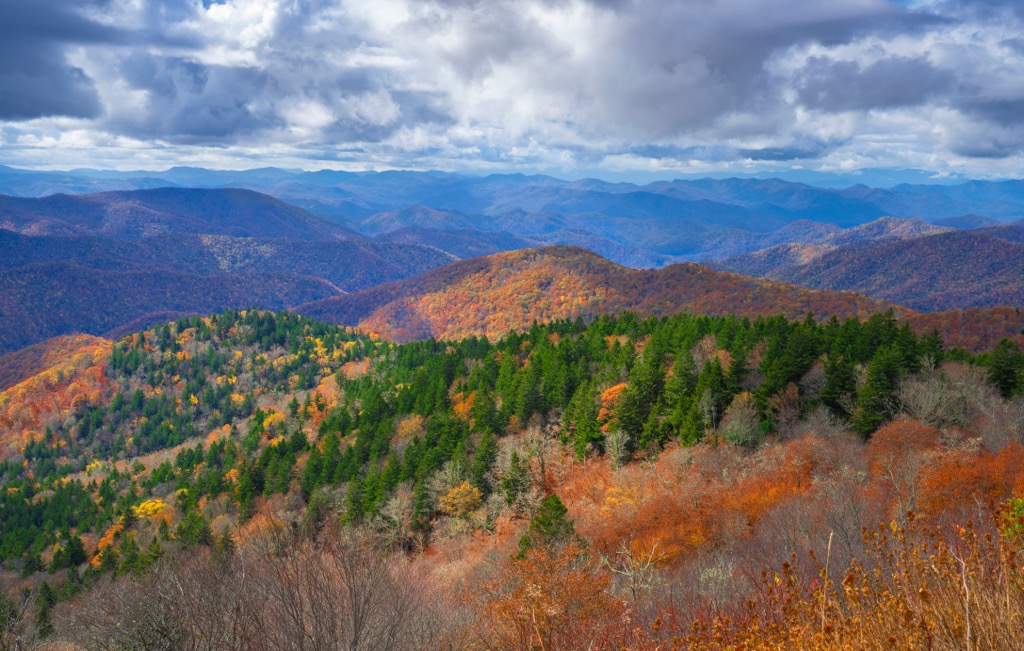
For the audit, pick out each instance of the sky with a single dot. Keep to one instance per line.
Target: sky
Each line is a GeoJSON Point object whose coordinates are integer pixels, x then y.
{"type": "Point", "coordinates": [570, 87]}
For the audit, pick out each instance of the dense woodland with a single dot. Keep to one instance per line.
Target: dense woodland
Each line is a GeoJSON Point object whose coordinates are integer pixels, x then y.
{"type": "Point", "coordinates": [601, 484]}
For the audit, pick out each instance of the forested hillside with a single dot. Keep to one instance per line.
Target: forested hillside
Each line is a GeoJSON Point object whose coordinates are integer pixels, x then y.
{"type": "Point", "coordinates": [42, 301]}
{"type": "Point", "coordinates": [580, 484]}
{"type": "Point", "coordinates": [938, 272]}
{"type": "Point", "coordinates": [489, 296]}
{"type": "Point", "coordinates": [60, 285]}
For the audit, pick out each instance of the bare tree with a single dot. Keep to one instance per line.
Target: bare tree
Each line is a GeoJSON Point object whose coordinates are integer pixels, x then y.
{"type": "Point", "coordinates": [636, 564]}
{"type": "Point", "coordinates": [17, 631]}
{"type": "Point", "coordinates": [339, 591]}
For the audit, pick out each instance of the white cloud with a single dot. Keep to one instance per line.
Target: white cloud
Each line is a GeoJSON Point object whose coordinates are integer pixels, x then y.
{"type": "Point", "coordinates": [637, 84]}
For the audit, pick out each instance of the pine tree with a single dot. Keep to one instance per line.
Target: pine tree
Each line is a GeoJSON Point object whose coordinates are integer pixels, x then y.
{"type": "Point", "coordinates": [516, 480]}
{"type": "Point", "coordinates": [75, 552]}
{"type": "Point", "coordinates": [46, 599]}
{"type": "Point", "coordinates": [875, 402]}
{"type": "Point", "coordinates": [646, 383]}
{"type": "Point", "coordinates": [1006, 364]}
{"type": "Point", "coordinates": [840, 384]}
{"type": "Point", "coordinates": [550, 527]}
{"type": "Point", "coordinates": [483, 462]}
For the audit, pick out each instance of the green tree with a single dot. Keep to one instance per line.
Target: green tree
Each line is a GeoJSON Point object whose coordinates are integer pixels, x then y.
{"type": "Point", "coordinates": [75, 552]}
{"type": "Point", "coordinates": [1006, 365]}
{"type": "Point", "coordinates": [876, 400]}
{"type": "Point", "coordinates": [840, 384]}
{"type": "Point", "coordinates": [483, 462]}
{"type": "Point", "coordinates": [516, 480]}
{"type": "Point", "coordinates": [550, 527]}
{"type": "Point", "coordinates": [194, 530]}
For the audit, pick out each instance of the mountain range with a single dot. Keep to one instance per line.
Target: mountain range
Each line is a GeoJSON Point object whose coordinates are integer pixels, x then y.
{"type": "Point", "coordinates": [105, 261]}
{"type": "Point", "coordinates": [932, 271]}
{"type": "Point", "coordinates": [672, 220]}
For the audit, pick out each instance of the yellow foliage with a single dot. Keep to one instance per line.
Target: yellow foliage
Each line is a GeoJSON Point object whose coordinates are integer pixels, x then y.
{"type": "Point", "coordinates": [408, 427]}
{"type": "Point", "coordinates": [462, 500]}
{"type": "Point", "coordinates": [273, 419]}
{"type": "Point", "coordinates": [150, 508]}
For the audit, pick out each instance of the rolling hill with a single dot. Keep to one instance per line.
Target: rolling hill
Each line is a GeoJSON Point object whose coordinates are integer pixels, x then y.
{"type": "Point", "coordinates": [144, 213]}
{"type": "Point", "coordinates": [807, 245]}
{"type": "Point", "coordinates": [512, 290]}
{"type": "Point", "coordinates": [961, 269]}
{"type": "Point", "coordinates": [46, 300]}
{"type": "Point", "coordinates": [461, 243]}
{"type": "Point", "coordinates": [24, 363]}
{"type": "Point", "coordinates": [350, 265]}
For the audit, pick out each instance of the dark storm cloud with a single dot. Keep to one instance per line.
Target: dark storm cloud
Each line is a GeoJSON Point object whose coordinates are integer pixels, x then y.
{"type": "Point", "coordinates": [35, 78]}
{"type": "Point", "coordinates": [657, 68]}
{"type": "Point", "coordinates": [192, 102]}
{"type": "Point", "coordinates": [1006, 112]}
{"type": "Point", "coordinates": [849, 86]}
{"type": "Point", "coordinates": [780, 154]}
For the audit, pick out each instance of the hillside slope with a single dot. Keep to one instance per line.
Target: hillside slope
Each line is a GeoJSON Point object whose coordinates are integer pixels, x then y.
{"type": "Point", "coordinates": [489, 296]}
{"type": "Point", "coordinates": [511, 290]}
{"type": "Point", "coordinates": [940, 272]}
{"type": "Point", "coordinates": [52, 299]}
{"type": "Point", "coordinates": [32, 360]}
{"type": "Point", "coordinates": [144, 213]}
{"type": "Point", "coordinates": [765, 257]}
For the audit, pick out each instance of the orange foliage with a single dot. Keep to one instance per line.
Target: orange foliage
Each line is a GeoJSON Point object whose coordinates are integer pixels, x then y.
{"type": "Point", "coordinates": [463, 404]}
{"type": "Point", "coordinates": [609, 400]}
{"type": "Point", "coordinates": [106, 541]}
{"type": "Point", "coordinates": [549, 599]}
{"type": "Point", "coordinates": [961, 478]}
{"type": "Point", "coordinates": [689, 498]}
{"type": "Point", "coordinates": [73, 381]}
{"type": "Point", "coordinates": [408, 427]}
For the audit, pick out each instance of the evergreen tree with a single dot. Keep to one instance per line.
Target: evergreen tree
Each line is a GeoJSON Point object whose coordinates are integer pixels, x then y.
{"type": "Point", "coordinates": [1006, 365]}
{"type": "Point", "coordinates": [483, 462]}
{"type": "Point", "coordinates": [550, 527]}
{"type": "Point", "coordinates": [194, 530]}
{"type": "Point", "coordinates": [46, 599]}
{"type": "Point", "coordinates": [840, 384]}
{"type": "Point", "coordinates": [75, 552]}
{"type": "Point", "coordinates": [516, 480]}
{"type": "Point", "coordinates": [875, 403]}
{"type": "Point", "coordinates": [646, 382]}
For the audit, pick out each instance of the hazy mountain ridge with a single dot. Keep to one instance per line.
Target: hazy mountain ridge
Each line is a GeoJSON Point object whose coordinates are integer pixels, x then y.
{"type": "Point", "coordinates": [937, 272]}
{"type": "Point", "coordinates": [45, 300]}
{"type": "Point", "coordinates": [168, 251]}
{"type": "Point", "coordinates": [682, 219]}
{"type": "Point", "coordinates": [144, 213]}
{"type": "Point", "coordinates": [806, 246]}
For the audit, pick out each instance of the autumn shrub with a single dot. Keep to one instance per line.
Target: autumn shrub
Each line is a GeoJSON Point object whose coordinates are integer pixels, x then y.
{"type": "Point", "coordinates": [917, 588]}
{"type": "Point", "coordinates": [461, 500]}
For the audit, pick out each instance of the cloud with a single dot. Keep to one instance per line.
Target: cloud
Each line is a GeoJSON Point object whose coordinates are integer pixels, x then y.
{"type": "Point", "coordinates": [506, 83]}
{"type": "Point", "coordinates": [850, 86]}
{"type": "Point", "coordinates": [35, 77]}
